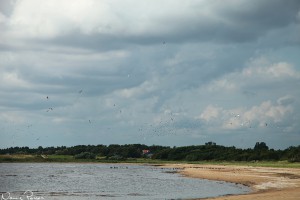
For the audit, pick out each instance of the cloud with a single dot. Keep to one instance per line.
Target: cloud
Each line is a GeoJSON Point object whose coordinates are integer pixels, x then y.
{"type": "Point", "coordinates": [191, 69]}
{"type": "Point", "coordinates": [286, 100]}
{"type": "Point", "coordinates": [114, 24]}
{"type": "Point", "coordinates": [12, 118]}
{"type": "Point", "coordinates": [3, 18]}
{"type": "Point", "coordinates": [244, 87]}
{"type": "Point", "coordinates": [257, 74]}
{"type": "Point", "coordinates": [267, 112]}
{"type": "Point", "coordinates": [133, 92]}
{"type": "Point", "coordinates": [262, 68]}
{"type": "Point", "coordinates": [12, 80]}
{"type": "Point", "coordinates": [262, 115]}
{"type": "Point", "coordinates": [210, 113]}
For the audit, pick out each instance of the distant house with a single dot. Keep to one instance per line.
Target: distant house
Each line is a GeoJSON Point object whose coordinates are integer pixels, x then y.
{"type": "Point", "coordinates": [146, 151]}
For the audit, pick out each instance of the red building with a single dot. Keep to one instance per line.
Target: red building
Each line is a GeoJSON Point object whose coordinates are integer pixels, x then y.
{"type": "Point", "coordinates": [146, 151]}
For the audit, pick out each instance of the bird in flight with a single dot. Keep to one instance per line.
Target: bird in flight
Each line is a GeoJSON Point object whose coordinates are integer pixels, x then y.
{"type": "Point", "coordinates": [49, 109]}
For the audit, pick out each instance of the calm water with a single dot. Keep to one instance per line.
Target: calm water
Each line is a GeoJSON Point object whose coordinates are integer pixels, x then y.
{"type": "Point", "coordinates": [105, 181]}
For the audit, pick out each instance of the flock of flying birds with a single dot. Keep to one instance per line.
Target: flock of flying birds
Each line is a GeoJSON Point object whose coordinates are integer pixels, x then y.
{"type": "Point", "coordinates": [166, 126]}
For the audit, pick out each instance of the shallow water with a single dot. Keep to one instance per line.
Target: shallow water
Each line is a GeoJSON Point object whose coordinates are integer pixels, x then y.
{"type": "Point", "coordinates": [66, 181]}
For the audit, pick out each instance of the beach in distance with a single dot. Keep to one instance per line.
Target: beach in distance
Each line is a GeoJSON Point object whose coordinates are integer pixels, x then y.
{"type": "Point", "coordinates": [267, 183]}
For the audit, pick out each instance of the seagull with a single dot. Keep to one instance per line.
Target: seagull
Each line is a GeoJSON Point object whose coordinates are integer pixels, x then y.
{"type": "Point", "coordinates": [49, 109]}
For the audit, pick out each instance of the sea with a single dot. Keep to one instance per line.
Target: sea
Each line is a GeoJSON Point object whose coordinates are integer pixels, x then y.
{"type": "Point", "coordinates": [76, 181]}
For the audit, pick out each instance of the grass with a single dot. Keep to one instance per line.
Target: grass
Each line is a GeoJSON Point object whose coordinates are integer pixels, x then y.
{"type": "Point", "coordinates": [59, 158]}
{"type": "Point", "coordinates": [20, 158]}
{"type": "Point", "coordinates": [68, 158]}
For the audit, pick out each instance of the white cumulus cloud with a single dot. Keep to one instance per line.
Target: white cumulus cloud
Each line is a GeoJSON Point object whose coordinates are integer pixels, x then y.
{"type": "Point", "coordinates": [241, 117]}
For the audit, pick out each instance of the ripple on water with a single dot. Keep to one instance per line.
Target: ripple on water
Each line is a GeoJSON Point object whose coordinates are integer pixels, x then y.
{"type": "Point", "coordinates": [87, 181]}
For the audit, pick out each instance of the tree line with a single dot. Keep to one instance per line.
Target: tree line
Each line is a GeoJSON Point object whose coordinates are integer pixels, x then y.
{"type": "Point", "coordinates": [210, 151]}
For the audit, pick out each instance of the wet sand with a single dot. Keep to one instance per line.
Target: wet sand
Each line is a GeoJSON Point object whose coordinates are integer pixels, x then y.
{"type": "Point", "coordinates": [267, 183]}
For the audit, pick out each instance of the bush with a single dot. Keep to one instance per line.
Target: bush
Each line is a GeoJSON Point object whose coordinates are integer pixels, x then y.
{"type": "Point", "coordinates": [191, 157]}
{"type": "Point", "coordinates": [85, 155]}
{"type": "Point", "coordinates": [295, 158]}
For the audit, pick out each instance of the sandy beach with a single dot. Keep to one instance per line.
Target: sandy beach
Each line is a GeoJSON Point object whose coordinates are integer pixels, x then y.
{"type": "Point", "coordinates": [267, 183]}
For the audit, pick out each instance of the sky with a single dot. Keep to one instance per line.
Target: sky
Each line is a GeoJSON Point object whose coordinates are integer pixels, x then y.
{"type": "Point", "coordinates": [163, 72]}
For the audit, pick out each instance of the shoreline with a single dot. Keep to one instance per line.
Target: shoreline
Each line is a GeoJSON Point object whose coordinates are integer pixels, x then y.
{"type": "Point", "coordinates": [266, 183]}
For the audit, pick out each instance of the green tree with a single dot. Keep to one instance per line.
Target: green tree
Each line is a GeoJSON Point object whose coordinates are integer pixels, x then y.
{"type": "Point", "coordinates": [260, 146]}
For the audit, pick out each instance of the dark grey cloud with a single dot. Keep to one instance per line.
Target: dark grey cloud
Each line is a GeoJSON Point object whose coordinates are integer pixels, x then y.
{"type": "Point", "coordinates": [172, 75]}
{"type": "Point", "coordinates": [6, 7]}
{"type": "Point", "coordinates": [235, 22]}
{"type": "Point", "coordinates": [264, 15]}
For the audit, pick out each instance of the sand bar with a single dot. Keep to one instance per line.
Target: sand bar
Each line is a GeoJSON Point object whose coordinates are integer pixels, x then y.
{"type": "Point", "coordinates": [267, 183]}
